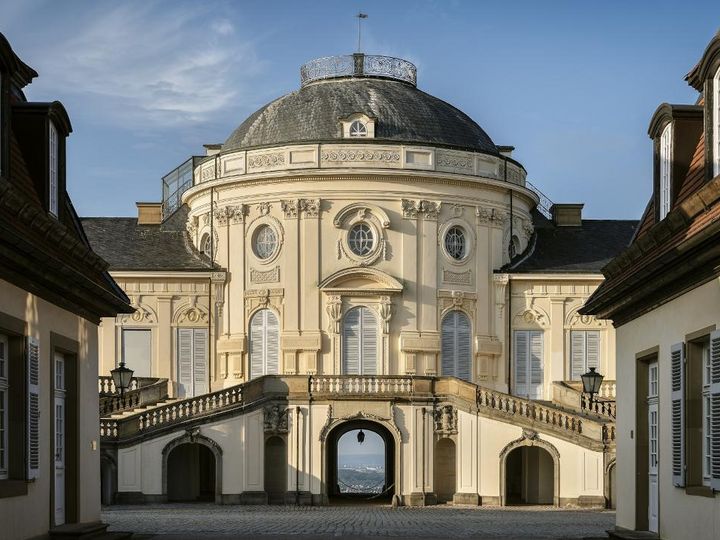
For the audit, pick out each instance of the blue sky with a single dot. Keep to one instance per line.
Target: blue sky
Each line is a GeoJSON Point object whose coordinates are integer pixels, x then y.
{"type": "Point", "coordinates": [571, 84]}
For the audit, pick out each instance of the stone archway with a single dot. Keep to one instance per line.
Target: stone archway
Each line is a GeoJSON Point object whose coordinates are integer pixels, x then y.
{"type": "Point", "coordinates": [538, 462]}
{"type": "Point", "coordinates": [203, 458]}
{"type": "Point", "coordinates": [276, 468]}
{"type": "Point", "coordinates": [611, 484]}
{"type": "Point", "coordinates": [108, 479]}
{"type": "Point", "coordinates": [391, 485]}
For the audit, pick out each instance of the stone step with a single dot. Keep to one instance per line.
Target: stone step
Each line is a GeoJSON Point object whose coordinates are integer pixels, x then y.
{"type": "Point", "coordinates": [144, 408]}
{"type": "Point", "coordinates": [86, 531]}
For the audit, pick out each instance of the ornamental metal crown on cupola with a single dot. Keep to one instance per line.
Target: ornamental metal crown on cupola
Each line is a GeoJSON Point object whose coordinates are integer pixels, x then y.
{"type": "Point", "coordinates": [358, 65]}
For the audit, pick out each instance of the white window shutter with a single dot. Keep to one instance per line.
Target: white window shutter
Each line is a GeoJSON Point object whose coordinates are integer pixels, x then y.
{"type": "Point", "coordinates": [677, 404]}
{"type": "Point", "coordinates": [185, 351]}
{"type": "Point", "coordinates": [463, 343]}
{"type": "Point", "coordinates": [536, 364]}
{"type": "Point", "coordinates": [447, 345]}
{"type": "Point", "coordinates": [577, 354]}
{"type": "Point", "coordinates": [715, 410]}
{"type": "Point", "coordinates": [593, 348]}
{"type": "Point", "coordinates": [521, 362]}
{"type": "Point", "coordinates": [33, 396]}
{"type": "Point", "coordinates": [257, 347]}
{"type": "Point", "coordinates": [272, 347]}
{"type": "Point", "coordinates": [351, 343]}
{"type": "Point", "coordinates": [368, 351]}
{"type": "Point", "coordinates": [200, 361]}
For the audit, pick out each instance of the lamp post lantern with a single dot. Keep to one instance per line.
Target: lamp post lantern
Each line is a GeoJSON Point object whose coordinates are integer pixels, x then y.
{"type": "Point", "coordinates": [591, 382]}
{"type": "Point", "coordinates": [122, 376]}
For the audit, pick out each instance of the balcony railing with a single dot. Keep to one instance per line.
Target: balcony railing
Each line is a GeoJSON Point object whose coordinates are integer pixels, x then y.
{"type": "Point", "coordinates": [146, 391]}
{"type": "Point", "coordinates": [361, 385]}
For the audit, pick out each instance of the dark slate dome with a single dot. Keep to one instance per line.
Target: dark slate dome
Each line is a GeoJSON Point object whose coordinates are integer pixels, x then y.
{"type": "Point", "coordinates": [403, 114]}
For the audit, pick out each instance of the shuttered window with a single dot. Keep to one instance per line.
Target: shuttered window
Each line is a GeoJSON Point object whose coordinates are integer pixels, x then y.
{"type": "Point", "coordinates": [716, 123]}
{"type": "Point", "coordinates": [360, 342]}
{"type": "Point", "coordinates": [456, 346]}
{"type": "Point", "coordinates": [529, 363]}
{"type": "Point", "coordinates": [584, 352]}
{"type": "Point", "coordinates": [665, 170]}
{"type": "Point", "coordinates": [715, 410]}
{"type": "Point", "coordinates": [4, 417]}
{"type": "Point", "coordinates": [192, 361]}
{"type": "Point", "coordinates": [677, 412]}
{"type": "Point", "coordinates": [264, 344]}
{"type": "Point", "coordinates": [33, 400]}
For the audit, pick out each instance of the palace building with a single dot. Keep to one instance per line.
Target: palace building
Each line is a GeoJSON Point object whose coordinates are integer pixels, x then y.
{"type": "Point", "coordinates": [357, 255]}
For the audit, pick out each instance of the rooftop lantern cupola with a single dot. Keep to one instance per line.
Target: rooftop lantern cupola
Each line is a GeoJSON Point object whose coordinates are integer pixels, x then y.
{"type": "Point", "coordinates": [358, 65]}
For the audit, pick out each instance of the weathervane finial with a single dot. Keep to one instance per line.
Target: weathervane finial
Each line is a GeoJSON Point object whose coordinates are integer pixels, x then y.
{"type": "Point", "coordinates": [360, 16]}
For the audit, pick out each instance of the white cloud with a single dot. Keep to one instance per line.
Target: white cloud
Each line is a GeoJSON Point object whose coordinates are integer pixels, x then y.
{"type": "Point", "coordinates": [138, 64]}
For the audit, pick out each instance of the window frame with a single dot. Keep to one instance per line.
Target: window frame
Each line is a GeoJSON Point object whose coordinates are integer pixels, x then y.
{"type": "Point", "coordinates": [276, 242]}
{"type": "Point", "coordinates": [571, 349]}
{"type": "Point", "coordinates": [53, 169]}
{"type": "Point", "coordinates": [665, 171]}
{"type": "Point", "coordinates": [372, 235]}
{"type": "Point", "coordinates": [360, 133]}
{"type": "Point", "coordinates": [715, 154]}
{"type": "Point", "coordinates": [706, 437]}
{"type": "Point", "coordinates": [463, 235]}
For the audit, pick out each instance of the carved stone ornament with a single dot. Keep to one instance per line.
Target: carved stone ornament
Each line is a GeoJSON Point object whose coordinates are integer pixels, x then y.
{"type": "Point", "coordinates": [275, 419]}
{"type": "Point", "coordinates": [490, 215]}
{"type": "Point", "coordinates": [409, 209]}
{"type": "Point", "coordinates": [385, 309]}
{"type": "Point", "coordinates": [457, 278]}
{"type": "Point", "coordinates": [141, 315]}
{"type": "Point", "coordinates": [529, 434]}
{"type": "Point", "coordinates": [191, 227]}
{"type": "Point", "coordinates": [430, 209]}
{"type": "Point", "coordinates": [446, 420]}
{"type": "Point", "coordinates": [528, 228]}
{"type": "Point", "coordinates": [273, 159]}
{"type": "Point", "coordinates": [311, 207]}
{"type": "Point", "coordinates": [290, 208]}
{"type": "Point", "coordinates": [192, 314]}
{"type": "Point", "coordinates": [265, 276]}
{"type": "Point", "coordinates": [334, 311]}
{"type": "Point", "coordinates": [264, 208]}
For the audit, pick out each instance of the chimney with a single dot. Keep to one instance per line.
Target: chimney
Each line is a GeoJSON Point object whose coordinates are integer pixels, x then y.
{"type": "Point", "coordinates": [149, 213]}
{"type": "Point", "coordinates": [506, 151]}
{"type": "Point", "coordinates": [212, 149]}
{"type": "Point", "coordinates": [567, 214]}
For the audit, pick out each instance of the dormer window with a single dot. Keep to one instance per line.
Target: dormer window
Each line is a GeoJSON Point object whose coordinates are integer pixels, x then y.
{"type": "Point", "coordinates": [358, 129]}
{"type": "Point", "coordinates": [665, 183]}
{"type": "Point", "coordinates": [357, 126]}
{"type": "Point", "coordinates": [53, 170]}
{"type": "Point", "coordinates": [716, 122]}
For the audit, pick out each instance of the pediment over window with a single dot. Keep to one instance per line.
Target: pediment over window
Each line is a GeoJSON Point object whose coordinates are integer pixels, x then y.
{"type": "Point", "coordinates": [361, 280]}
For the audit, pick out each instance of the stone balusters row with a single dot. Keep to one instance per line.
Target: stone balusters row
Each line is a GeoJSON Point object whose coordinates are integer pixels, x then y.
{"type": "Point", "coordinates": [361, 385]}
{"type": "Point", "coordinates": [108, 428]}
{"type": "Point", "coordinates": [598, 406]}
{"type": "Point", "coordinates": [186, 409]}
{"type": "Point", "coordinates": [106, 385]}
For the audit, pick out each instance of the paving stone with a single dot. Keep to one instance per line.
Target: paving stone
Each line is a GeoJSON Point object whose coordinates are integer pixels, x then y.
{"type": "Point", "coordinates": [207, 520]}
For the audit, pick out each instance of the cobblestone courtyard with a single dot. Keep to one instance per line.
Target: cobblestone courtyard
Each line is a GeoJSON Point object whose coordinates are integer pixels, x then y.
{"type": "Point", "coordinates": [207, 520]}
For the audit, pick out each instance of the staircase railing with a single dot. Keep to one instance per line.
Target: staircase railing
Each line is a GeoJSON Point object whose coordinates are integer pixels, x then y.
{"type": "Point", "coordinates": [141, 396]}
{"type": "Point", "coordinates": [106, 385]}
{"type": "Point", "coordinates": [570, 394]}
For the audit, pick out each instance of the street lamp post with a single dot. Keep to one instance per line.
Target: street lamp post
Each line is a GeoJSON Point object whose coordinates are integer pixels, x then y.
{"type": "Point", "coordinates": [122, 376]}
{"type": "Point", "coordinates": [591, 383]}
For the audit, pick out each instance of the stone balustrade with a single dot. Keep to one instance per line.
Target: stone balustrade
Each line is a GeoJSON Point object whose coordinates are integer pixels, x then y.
{"type": "Point", "coordinates": [143, 394]}
{"type": "Point", "coordinates": [108, 428]}
{"type": "Point", "coordinates": [106, 385]}
{"type": "Point", "coordinates": [361, 385]}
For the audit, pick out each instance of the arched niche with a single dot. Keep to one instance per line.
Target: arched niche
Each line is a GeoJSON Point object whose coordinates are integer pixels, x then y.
{"type": "Point", "coordinates": [529, 439]}
{"type": "Point", "coordinates": [194, 437]}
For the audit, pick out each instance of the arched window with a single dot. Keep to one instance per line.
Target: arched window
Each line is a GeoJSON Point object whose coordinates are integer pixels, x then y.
{"type": "Point", "coordinates": [358, 129]}
{"type": "Point", "coordinates": [456, 343]}
{"type": "Point", "coordinates": [206, 246]}
{"type": "Point", "coordinates": [360, 342]}
{"type": "Point", "coordinates": [264, 344]}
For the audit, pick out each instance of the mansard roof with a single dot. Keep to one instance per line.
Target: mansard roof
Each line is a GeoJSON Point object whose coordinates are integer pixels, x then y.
{"type": "Point", "coordinates": [707, 66]}
{"type": "Point", "coordinates": [128, 246]}
{"type": "Point", "coordinates": [584, 249]}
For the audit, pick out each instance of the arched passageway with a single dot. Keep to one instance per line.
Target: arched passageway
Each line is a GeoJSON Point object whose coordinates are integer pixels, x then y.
{"type": "Point", "coordinates": [612, 486]}
{"type": "Point", "coordinates": [276, 465]}
{"type": "Point", "coordinates": [530, 476]}
{"type": "Point", "coordinates": [360, 462]}
{"type": "Point", "coordinates": [108, 476]}
{"type": "Point", "coordinates": [444, 470]}
{"type": "Point", "coordinates": [191, 471]}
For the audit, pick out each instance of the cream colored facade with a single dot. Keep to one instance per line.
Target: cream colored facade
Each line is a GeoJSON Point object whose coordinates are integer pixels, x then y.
{"type": "Point", "coordinates": [306, 201]}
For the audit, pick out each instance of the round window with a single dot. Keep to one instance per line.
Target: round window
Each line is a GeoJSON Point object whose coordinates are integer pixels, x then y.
{"type": "Point", "coordinates": [358, 129]}
{"type": "Point", "coordinates": [265, 242]}
{"type": "Point", "coordinates": [456, 243]}
{"type": "Point", "coordinates": [361, 239]}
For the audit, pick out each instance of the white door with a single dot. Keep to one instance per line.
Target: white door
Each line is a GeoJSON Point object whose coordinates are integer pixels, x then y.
{"type": "Point", "coordinates": [653, 491]}
{"type": "Point", "coordinates": [59, 439]}
{"type": "Point", "coordinates": [456, 345]}
{"type": "Point", "coordinates": [264, 344]}
{"type": "Point", "coordinates": [360, 342]}
{"type": "Point", "coordinates": [529, 363]}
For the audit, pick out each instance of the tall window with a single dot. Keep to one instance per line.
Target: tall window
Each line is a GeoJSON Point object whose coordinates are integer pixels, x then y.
{"type": "Point", "coordinates": [264, 344]}
{"type": "Point", "coordinates": [584, 352]}
{"type": "Point", "coordinates": [53, 172]}
{"type": "Point", "coordinates": [192, 354]}
{"type": "Point", "coordinates": [716, 123]}
{"type": "Point", "coordinates": [529, 363]}
{"type": "Point", "coordinates": [137, 351]}
{"type": "Point", "coordinates": [360, 342]}
{"type": "Point", "coordinates": [665, 170]}
{"type": "Point", "coordinates": [456, 345]}
{"type": "Point", "coordinates": [4, 367]}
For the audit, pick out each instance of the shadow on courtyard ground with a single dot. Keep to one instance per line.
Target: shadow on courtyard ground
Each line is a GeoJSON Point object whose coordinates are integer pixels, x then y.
{"type": "Point", "coordinates": [207, 521]}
